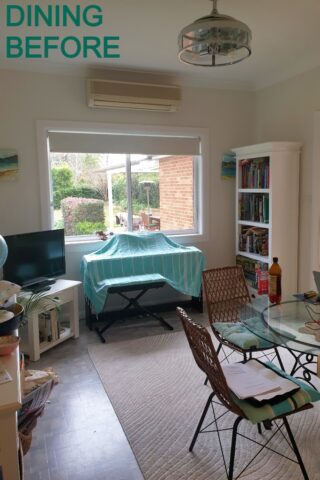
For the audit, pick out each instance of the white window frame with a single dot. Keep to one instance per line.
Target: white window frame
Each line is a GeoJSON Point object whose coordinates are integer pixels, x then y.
{"type": "Point", "coordinates": [43, 127]}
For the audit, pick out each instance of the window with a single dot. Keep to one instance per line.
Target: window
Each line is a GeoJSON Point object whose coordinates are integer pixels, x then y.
{"type": "Point", "coordinates": [123, 182]}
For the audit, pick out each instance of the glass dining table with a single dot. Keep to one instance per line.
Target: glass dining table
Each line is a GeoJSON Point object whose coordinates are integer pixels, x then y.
{"type": "Point", "coordinates": [295, 326]}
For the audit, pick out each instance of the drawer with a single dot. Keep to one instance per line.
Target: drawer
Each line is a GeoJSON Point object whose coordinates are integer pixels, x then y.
{"type": "Point", "coordinates": [64, 296]}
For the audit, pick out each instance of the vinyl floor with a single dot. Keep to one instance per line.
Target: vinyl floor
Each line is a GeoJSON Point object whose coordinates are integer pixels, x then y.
{"type": "Point", "coordinates": [79, 435]}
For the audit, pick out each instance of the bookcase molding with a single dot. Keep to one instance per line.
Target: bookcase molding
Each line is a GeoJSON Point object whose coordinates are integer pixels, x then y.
{"type": "Point", "coordinates": [267, 209]}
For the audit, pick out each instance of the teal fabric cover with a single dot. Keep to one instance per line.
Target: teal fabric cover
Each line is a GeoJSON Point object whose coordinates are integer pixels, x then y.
{"type": "Point", "coordinates": [137, 258]}
{"type": "Point", "coordinates": [305, 395]}
{"type": "Point", "coordinates": [239, 335]}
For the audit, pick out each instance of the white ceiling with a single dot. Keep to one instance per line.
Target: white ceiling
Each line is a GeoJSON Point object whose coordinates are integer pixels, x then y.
{"type": "Point", "coordinates": [286, 39]}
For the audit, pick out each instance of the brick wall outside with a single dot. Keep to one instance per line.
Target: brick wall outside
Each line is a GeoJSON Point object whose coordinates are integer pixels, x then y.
{"type": "Point", "coordinates": [176, 193]}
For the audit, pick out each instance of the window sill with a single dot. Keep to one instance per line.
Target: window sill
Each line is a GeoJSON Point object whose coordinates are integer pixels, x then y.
{"type": "Point", "coordinates": [94, 244]}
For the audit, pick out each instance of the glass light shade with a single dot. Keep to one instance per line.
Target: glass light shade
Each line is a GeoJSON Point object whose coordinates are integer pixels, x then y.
{"type": "Point", "coordinates": [214, 40]}
{"type": "Point", "coordinates": [3, 251]}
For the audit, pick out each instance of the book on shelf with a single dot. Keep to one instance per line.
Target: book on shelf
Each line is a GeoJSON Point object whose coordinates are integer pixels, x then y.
{"type": "Point", "coordinates": [254, 240]}
{"type": "Point", "coordinates": [265, 208]}
{"type": "Point", "coordinates": [49, 326]}
{"type": "Point", "coordinates": [250, 269]}
{"type": "Point", "coordinates": [44, 327]}
{"type": "Point", "coordinates": [54, 320]}
{"type": "Point", "coordinates": [255, 173]}
{"type": "Point", "coordinates": [254, 207]}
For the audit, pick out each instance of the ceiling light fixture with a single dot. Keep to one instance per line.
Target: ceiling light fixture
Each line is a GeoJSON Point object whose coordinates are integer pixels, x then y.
{"type": "Point", "coordinates": [214, 41]}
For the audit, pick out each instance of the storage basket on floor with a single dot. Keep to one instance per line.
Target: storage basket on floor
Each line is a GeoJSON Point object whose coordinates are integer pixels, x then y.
{"type": "Point", "coordinates": [33, 405]}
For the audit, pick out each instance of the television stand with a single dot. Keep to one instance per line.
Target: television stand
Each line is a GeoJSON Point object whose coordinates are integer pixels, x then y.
{"type": "Point", "coordinates": [63, 321]}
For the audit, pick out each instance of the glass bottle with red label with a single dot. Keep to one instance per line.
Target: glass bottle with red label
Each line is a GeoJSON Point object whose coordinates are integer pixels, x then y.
{"type": "Point", "coordinates": [275, 282]}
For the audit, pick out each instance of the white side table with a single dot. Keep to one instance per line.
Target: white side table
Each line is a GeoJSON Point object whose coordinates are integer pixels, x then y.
{"type": "Point", "coordinates": [65, 292]}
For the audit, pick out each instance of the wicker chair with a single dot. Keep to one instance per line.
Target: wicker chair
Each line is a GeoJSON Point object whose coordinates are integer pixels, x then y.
{"type": "Point", "coordinates": [228, 300]}
{"type": "Point", "coordinates": [147, 223]}
{"type": "Point", "coordinates": [207, 360]}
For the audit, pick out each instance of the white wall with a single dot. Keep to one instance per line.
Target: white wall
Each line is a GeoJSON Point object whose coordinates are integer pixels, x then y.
{"type": "Point", "coordinates": [286, 111]}
{"type": "Point", "coordinates": [28, 97]}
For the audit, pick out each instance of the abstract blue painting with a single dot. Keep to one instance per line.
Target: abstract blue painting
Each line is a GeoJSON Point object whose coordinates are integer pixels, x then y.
{"type": "Point", "coordinates": [8, 164]}
{"type": "Point", "coordinates": [228, 165]}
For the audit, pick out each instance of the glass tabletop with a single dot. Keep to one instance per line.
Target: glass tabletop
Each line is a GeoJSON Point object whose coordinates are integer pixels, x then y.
{"type": "Point", "coordinates": [291, 324]}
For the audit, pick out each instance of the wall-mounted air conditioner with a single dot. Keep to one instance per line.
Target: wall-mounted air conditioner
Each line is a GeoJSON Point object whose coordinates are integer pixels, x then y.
{"type": "Point", "coordinates": [136, 96]}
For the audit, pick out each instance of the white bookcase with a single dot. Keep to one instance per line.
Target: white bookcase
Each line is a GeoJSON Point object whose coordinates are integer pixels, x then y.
{"type": "Point", "coordinates": [65, 293]}
{"type": "Point", "coordinates": [267, 209]}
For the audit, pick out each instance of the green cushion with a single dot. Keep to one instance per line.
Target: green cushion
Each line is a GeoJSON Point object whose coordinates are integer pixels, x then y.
{"type": "Point", "coordinates": [305, 395]}
{"type": "Point", "coordinates": [240, 336]}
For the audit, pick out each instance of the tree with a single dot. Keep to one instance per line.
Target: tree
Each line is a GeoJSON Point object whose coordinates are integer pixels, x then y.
{"type": "Point", "coordinates": [62, 178]}
{"type": "Point", "coordinates": [100, 182]}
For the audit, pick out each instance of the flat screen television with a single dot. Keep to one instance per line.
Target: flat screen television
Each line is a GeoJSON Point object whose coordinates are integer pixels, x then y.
{"type": "Point", "coordinates": [35, 258]}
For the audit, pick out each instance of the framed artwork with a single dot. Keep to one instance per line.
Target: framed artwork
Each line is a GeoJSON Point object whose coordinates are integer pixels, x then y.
{"type": "Point", "coordinates": [228, 165]}
{"type": "Point", "coordinates": [8, 164]}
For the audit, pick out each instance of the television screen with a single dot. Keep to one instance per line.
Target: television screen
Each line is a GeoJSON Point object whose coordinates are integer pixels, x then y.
{"type": "Point", "coordinates": [34, 257]}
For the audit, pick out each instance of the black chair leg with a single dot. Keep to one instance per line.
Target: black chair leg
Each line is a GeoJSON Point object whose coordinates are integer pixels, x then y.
{"type": "Point", "coordinates": [259, 428]}
{"type": "Point", "coordinates": [233, 447]}
{"type": "Point", "coordinates": [204, 413]}
{"type": "Point", "coordinates": [295, 449]}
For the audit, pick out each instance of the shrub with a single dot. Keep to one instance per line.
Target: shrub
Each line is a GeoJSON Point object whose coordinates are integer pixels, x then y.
{"type": "Point", "coordinates": [139, 196]}
{"type": "Point", "coordinates": [87, 228]}
{"type": "Point", "coordinates": [80, 191]}
{"type": "Point", "coordinates": [61, 182]}
{"type": "Point", "coordinates": [59, 223]}
{"type": "Point", "coordinates": [119, 188]}
{"type": "Point", "coordinates": [78, 210]}
{"type": "Point", "coordinates": [61, 177]}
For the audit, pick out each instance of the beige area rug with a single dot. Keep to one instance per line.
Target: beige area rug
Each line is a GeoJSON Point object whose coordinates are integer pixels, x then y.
{"type": "Point", "coordinates": [158, 394]}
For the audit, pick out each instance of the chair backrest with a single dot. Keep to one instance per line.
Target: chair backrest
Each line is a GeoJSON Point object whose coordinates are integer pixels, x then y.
{"type": "Point", "coordinates": [145, 219]}
{"type": "Point", "coordinates": [226, 293]}
{"type": "Point", "coordinates": [207, 360]}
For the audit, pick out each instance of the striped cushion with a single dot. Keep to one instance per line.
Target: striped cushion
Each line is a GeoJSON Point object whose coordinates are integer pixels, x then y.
{"type": "Point", "coordinates": [302, 397]}
{"type": "Point", "coordinates": [240, 336]}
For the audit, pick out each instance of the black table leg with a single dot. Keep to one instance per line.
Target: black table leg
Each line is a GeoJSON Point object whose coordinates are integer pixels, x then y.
{"type": "Point", "coordinates": [302, 361]}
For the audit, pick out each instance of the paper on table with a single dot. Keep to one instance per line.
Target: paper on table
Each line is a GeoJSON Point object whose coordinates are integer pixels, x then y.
{"type": "Point", "coordinates": [253, 379]}
{"type": "Point", "coordinates": [4, 376]}
{"type": "Point", "coordinates": [244, 381]}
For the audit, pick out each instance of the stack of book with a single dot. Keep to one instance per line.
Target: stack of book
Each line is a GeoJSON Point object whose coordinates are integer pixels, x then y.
{"type": "Point", "coordinates": [250, 268]}
{"type": "Point", "coordinates": [254, 207]}
{"type": "Point", "coordinates": [254, 240]}
{"type": "Point", "coordinates": [50, 328]}
{"type": "Point", "coordinates": [255, 173]}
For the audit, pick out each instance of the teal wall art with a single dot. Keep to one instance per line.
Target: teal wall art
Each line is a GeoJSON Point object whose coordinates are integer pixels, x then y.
{"type": "Point", "coordinates": [8, 164]}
